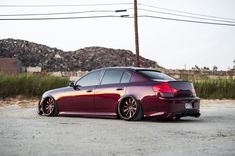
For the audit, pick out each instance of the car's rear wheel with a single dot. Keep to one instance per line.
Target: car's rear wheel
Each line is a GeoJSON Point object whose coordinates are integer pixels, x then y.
{"type": "Point", "coordinates": [49, 107]}
{"type": "Point", "coordinates": [130, 109]}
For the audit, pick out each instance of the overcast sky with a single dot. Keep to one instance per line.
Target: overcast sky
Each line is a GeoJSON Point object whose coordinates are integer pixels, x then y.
{"type": "Point", "coordinates": [171, 44]}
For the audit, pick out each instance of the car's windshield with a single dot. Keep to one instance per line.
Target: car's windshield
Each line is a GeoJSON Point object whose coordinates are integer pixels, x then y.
{"type": "Point", "coordinates": [155, 75]}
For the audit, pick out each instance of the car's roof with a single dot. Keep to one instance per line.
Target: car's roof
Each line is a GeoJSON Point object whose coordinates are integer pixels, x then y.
{"type": "Point", "coordinates": [128, 68]}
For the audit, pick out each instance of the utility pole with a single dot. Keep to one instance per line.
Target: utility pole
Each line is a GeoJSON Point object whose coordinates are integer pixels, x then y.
{"type": "Point", "coordinates": [137, 61]}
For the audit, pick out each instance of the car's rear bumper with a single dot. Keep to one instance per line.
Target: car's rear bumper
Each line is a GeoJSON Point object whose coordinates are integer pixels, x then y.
{"type": "Point", "coordinates": [175, 107]}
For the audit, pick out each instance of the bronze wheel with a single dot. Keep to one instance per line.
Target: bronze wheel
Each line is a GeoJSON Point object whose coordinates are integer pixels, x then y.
{"type": "Point", "coordinates": [129, 109]}
{"type": "Point", "coordinates": [49, 107]}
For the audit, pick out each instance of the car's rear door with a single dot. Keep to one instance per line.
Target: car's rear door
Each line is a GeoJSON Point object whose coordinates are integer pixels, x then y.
{"type": "Point", "coordinates": [111, 88]}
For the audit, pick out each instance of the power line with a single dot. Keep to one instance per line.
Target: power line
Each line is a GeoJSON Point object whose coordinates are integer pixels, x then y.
{"type": "Point", "coordinates": [183, 20]}
{"type": "Point", "coordinates": [172, 10]}
{"type": "Point", "coordinates": [115, 16]}
{"type": "Point", "coordinates": [109, 4]}
{"type": "Point", "coordinates": [186, 16]}
{"type": "Point", "coordinates": [59, 13]}
{"type": "Point", "coordinates": [109, 11]}
{"type": "Point", "coordinates": [64, 5]}
{"type": "Point", "coordinates": [59, 18]}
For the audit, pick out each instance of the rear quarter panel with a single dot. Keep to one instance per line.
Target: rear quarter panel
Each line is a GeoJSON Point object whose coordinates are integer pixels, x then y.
{"type": "Point", "coordinates": [144, 93]}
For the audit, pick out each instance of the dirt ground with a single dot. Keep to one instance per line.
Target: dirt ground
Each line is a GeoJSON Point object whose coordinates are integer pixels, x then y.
{"type": "Point", "coordinates": [24, 133]}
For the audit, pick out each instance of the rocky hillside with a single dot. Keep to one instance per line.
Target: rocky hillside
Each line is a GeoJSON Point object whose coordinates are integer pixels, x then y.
{"type": "Point", "coordinates": [53, 59]}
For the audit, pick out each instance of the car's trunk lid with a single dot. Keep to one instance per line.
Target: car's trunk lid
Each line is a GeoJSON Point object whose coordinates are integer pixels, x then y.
{"type": "Point", "coordinates": [182, 88]}
{"type": "Point", "coordinates": [175, 89]}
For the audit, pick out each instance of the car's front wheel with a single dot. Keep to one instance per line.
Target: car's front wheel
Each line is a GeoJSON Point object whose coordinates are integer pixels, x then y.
{"type": "Point", "coordinates": [49, 107]}
{"type": "Point", "coordinates": [130, 109]}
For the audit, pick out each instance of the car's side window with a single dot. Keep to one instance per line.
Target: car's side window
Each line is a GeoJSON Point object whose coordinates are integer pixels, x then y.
{"type": "Point", "coordinates": [112, 77]}
{"type": "Point", "coordinates": [126, 77]}
{"type": "Point", "coordinates": [90, 79]}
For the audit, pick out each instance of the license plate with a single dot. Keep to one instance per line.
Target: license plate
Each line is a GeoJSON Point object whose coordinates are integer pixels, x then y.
{"type": "Point", "coordinates": [188, 105]}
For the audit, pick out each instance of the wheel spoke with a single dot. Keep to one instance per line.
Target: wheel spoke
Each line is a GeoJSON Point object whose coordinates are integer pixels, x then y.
{"type": "Point", "coordinates": [129, 101]}
{"type": "Point", "coordinates": [51, 109]}
{"type": "Point", "coordinates": [133, 112]}
{"type": "Point", "coordinates": [125, 106]}
{"type": "Point", "coordinates": [133, 104]}
{"type": "Point", "coordinates": [125, 110]}
{"type": "Point", "coordinates": [126, 114]}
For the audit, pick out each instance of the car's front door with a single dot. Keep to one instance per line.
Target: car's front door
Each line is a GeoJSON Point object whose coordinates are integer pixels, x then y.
{"type": "Point", "coordinates": [81, 99]}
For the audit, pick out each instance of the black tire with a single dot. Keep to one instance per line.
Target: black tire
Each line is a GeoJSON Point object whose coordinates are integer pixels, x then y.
{"type": "Point", "coordinates": [40, 112]}
{"type": "Point", "coordinates": [129, 109]}
{"type": "Point", "coordinates": [49, 107]}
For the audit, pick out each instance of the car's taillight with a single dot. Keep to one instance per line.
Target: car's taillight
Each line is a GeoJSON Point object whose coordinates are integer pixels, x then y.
{"type": "Point", "coordinates": [164, 88]}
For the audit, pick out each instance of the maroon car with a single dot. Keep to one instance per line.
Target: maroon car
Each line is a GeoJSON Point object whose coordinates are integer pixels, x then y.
{"type": "Point", "coordinates": [126, 92]}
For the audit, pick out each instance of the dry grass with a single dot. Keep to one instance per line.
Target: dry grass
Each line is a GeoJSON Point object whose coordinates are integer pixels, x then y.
{"type": "Point", "coordinates": [20, 101]}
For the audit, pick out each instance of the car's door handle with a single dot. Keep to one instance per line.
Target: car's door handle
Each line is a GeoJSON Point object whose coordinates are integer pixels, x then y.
{"type": "Point", "coordinates": [119, 89]}
{"type": "Point", "coordinates": [89, 91]}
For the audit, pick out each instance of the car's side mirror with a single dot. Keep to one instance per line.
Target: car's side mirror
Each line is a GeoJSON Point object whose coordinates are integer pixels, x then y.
{"type": "Point", "coordinates": [71, 84]}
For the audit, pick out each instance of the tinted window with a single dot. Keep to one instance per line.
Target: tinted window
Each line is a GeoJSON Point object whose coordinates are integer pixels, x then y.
{"type": "Point", "coordinates": [155, 75]}
{"type": "Point", "coordinates": [126, 77]}
{"type": "Point", "coordinates": [112, 76]}
{"type": "Point", "coordinates": [90, 79]}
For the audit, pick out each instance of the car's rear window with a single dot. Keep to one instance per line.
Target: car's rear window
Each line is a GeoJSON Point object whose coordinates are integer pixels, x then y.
{"type": "Point", "coordinates": [155, 75]}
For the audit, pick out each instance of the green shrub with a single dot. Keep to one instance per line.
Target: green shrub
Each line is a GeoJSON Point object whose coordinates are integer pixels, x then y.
{"type": "Point", "coordinates": [215, 89]}
{"type": "Point", "coordinates": [28, 85]}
